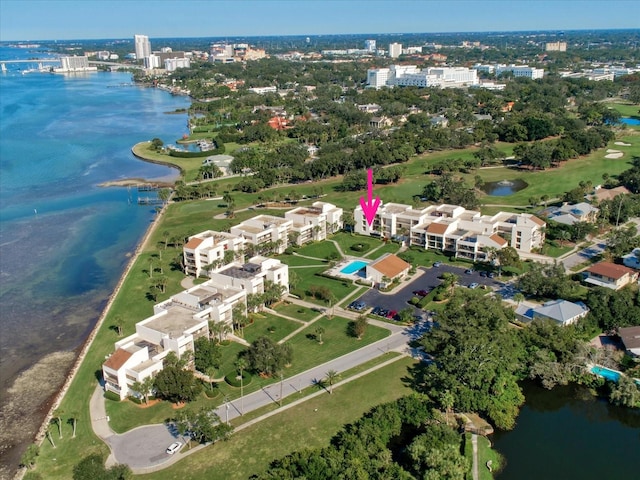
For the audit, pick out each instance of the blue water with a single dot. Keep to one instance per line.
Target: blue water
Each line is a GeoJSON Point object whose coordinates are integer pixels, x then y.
{"type": "Point", "coordinates": [353, 267]}
{"type": "Point", "coordinates": [606, 373]}
{"type": "Point", "coordinates": [630, 121]}
{"type": "Point", "coordinates": [64, 241]}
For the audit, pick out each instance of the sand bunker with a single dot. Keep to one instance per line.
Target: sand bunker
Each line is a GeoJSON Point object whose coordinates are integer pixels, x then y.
{"type": "Point", "coordinates": [622, 144]}
{"type": "Point", "coordinates": [614, 155]}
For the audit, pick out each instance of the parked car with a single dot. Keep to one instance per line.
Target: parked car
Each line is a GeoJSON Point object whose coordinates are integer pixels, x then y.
{"type": "Point", "coordinates": [469, 271]}
{"type": "Point", "coordinates": [357, 305]}
{"type": "Point", "coordinates": [474, 285]}
{"type": "Point", "coordinates": [437, 264]}
{"type": "Point", "coordinates": [174, 447]}
{"type": "Point", "coordinates": [491, 274]}
{"type": "Point", "coordinates": [392, 314]}
{"type": "Point", "coordinates": [421, 293]}
{"type": "Point", "coordinates": [483, 273]}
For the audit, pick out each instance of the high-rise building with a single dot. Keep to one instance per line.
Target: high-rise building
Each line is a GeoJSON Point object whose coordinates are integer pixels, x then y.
{"type": "Point", "coordinates": [143, 46]}
{"type": "Point", "coordinates": [370, 45]}
{"type": "Point", "coordinates": [556, 46]}
{"type": "Point", "coordinates": [395, 50]}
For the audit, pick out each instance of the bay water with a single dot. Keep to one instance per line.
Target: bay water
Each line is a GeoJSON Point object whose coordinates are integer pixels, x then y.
{"type": "Point", "coordinates": [65, 240]}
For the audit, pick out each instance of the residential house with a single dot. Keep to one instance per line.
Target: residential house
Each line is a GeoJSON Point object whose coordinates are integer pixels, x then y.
{"type": "Point", "coordinates": [387, 268]}
{"type": "Point", "coordinates": [632, 260]}
{"type": "Point", "coordinates": [609, 193]}
{"type": "Point", "coordinates": [561, 312]}
{"type": "Point", "coordinates": [380, 122]}
{"type": "Point", "coordinates": [572, 214]}
{"type": "Point", "coordinates": [610, 275]}
{"type": "Point", "coordinates": [630, 337]}
{"type": "Point", "coordinates": [439, 121]}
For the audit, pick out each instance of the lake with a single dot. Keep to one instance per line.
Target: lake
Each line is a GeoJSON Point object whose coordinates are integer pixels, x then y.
{"type": "Point", "coordinates": [566, 433]}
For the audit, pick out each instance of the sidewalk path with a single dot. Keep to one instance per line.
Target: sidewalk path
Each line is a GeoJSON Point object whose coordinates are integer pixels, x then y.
{"type": "Point", "coordinates": [474, 442]}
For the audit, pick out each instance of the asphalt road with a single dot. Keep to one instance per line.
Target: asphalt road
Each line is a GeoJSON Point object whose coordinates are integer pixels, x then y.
{"type": "Point", "coordinates": [583, 255]}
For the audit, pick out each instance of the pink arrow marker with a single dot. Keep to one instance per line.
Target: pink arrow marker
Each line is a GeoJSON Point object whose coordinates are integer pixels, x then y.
{"type": "Point", "coordinates": [369, 206]}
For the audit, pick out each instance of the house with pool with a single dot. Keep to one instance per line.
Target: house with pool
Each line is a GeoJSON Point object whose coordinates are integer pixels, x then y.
{"type": "Point", "coordinates": [386, 269]}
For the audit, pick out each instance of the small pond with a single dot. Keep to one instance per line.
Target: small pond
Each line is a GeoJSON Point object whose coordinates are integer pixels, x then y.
{"type": "Point", "coordinates": [503, 187]}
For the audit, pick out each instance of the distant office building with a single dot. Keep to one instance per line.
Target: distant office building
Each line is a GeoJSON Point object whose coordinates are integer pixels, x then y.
{"type": "Point", "coordinates": [520, 71]}
{"type": "Point", "coordinates": [103, 55]}
{"type": "Point", "coordinates": [395, 50]}
{"type": "Point", "coordinates": [74, 64]}
{"type": "Point", "coordinates": [143, 46]}
{"type": "Point", "coordinates": [556, 47]}
{"type": "Point", "coordinates": [171, 64]}
{"type": "Point", "coordinates": [412, 76]}
{"type": "Point", "coordinates": [370, 45]}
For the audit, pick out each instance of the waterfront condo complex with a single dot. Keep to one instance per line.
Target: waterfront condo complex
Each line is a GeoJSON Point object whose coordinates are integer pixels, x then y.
{"type": "Point", "coordinates": [452, 228]}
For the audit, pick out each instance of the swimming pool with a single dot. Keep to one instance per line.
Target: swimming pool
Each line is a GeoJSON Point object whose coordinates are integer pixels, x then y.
{"type": "Point", "coordinates": [606, 373]}
{"type": "Point", "coordinates": [353, 267]}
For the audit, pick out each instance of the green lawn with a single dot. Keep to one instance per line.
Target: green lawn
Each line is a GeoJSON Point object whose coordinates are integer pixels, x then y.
{"type": "Point", "coordinates": [485, 453]}
{"type": "Point", "coordinates": [626, 109]}
{"type": "Point", "coordinates": [347, 240]}
{"type": "Point", "coordinates": [554, 182]}
{"type": "Point", "coordinates": [388, 247]}
{"type": "Point", "coordinates": [296, 311]}
{"type": "Point", "coordinates": [323, 250]}
{"type": "Point", "coordinates": [268, 325]}
{"type": "Point", "coordinates": [308, 425]}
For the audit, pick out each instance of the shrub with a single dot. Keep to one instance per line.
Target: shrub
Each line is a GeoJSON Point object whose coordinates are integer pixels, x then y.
{"type": "Point", "coordinates": [109, 395]}
{"type": "Point", "coordinates": [359, 247]}
{"type": "Point", "coordinates": [232, 379]}
{"type": "Point", "coordinates": [135, 400]}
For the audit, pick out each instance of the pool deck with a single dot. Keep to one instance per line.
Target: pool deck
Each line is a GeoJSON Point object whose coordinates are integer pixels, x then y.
{"type": "Point", "coordinates": [335, 271]}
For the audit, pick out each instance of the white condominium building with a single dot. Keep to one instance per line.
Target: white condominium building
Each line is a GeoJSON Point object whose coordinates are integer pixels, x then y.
{"type": "Point", "coordinates": [411, 75]}
{"type": "Point", "coordinates": [143, 46]}
{"type": "Point", "coordinates": [210, 248]}
{"type": "Point", "coordinates": [520, 71]}
{"type": "Point", "coordinates": [171, 64]}
{"type": "Point", "coordinates": [316, 222]}
{"type": "Point", "coordinates": [177, 322]}
{"type": "Point", "coordinates": [74, 64]}
{"type": "Point", "coordinates": [452, 228]}
{"type": "Point", "coordinates": [265, 229]}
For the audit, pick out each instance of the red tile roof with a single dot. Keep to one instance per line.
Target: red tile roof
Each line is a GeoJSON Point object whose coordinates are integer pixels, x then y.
{"type": "Point", "coordinates": [390, 266]}
{"type": "Point", "coordinates": [118, 359]}
{"type": "Point", "coordinates": [193, 243]}
{"type": "Point", "coordinates": [611, 270]}
{"type": "Point", "coordinates": [437, 228]}
{"type": "Point", "coordinates": [498, 239]}
{"type": "Point", "coordinates": [535, 219]}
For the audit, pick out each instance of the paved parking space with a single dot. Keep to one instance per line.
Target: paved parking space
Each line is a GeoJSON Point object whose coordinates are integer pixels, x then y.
{"type": "Point", "coordinates": [427, 281]}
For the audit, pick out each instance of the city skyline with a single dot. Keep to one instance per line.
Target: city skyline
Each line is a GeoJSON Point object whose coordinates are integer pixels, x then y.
{"type": "Point", "coordinates": [71, 20]}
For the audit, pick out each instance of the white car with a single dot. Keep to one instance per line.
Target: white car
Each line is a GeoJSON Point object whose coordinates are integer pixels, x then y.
{"type": "Point", "coordinates": [174, 447]}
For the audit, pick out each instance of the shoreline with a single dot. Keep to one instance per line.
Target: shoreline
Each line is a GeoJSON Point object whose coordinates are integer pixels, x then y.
{"type": "Point", "coordinates": [56, 399]}
{"type": "Point", "coordinates": [144, 158]}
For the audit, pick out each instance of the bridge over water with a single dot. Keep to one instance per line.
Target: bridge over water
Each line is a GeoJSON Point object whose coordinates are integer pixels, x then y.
{"type": "Point", "coordinates": [41, 61]}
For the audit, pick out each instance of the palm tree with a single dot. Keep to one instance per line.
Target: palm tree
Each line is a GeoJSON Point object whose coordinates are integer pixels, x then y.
{"type": "Point", "coordinates": [118, 323]}
{"type": "Point", "coordinates": [319, 332]}
{"type": "Point", "coordinates": [449, 281]}
{"type": "Point", "coordinates": [57, 416]}
{"type": "Point", "coordinates": [73, 420]}
{"type": "Point", "coordinates": [448, 401]}
{"type": "Point", "coordinates": [211, 373]}
{"type": "Point", "coordinates": [50, 437]}
{"type": "Point", "coordinates": [331, 377]}
{"type": "Point", "coordinates": [564, 236]}
{"type": "Point", "coordinates": [241, 364]}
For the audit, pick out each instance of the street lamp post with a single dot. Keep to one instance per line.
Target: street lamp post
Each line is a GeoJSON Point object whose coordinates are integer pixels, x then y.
{"type": "Point", "coordinates": [226, 405]}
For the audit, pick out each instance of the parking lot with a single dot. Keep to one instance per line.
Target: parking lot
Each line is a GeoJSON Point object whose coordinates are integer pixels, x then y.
{"type": "Point", "coordinates": [427, 281]}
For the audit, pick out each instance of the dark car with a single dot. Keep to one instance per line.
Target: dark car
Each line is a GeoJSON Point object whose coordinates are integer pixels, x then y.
{"type": "Point", "coordinates": [469, 271]}
{"type": "Point", "coordinates": [483, 273]}
{"type": "Point", "coordinates": [491, 274]}
{"type": "Point", "coordinates": [421, 293]}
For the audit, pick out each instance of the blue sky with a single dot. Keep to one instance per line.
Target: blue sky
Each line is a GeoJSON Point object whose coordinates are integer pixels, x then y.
{"type": "Point", "coordinates": [83, 19]}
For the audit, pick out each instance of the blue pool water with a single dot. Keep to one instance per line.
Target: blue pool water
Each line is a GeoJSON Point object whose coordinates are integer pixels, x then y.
{"type": "Point", "coordinates": [353, 267]}
{"type": "Point", "coordinates": [606, 373]}
{"type": "Point", "coordinates": [630, 121]}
